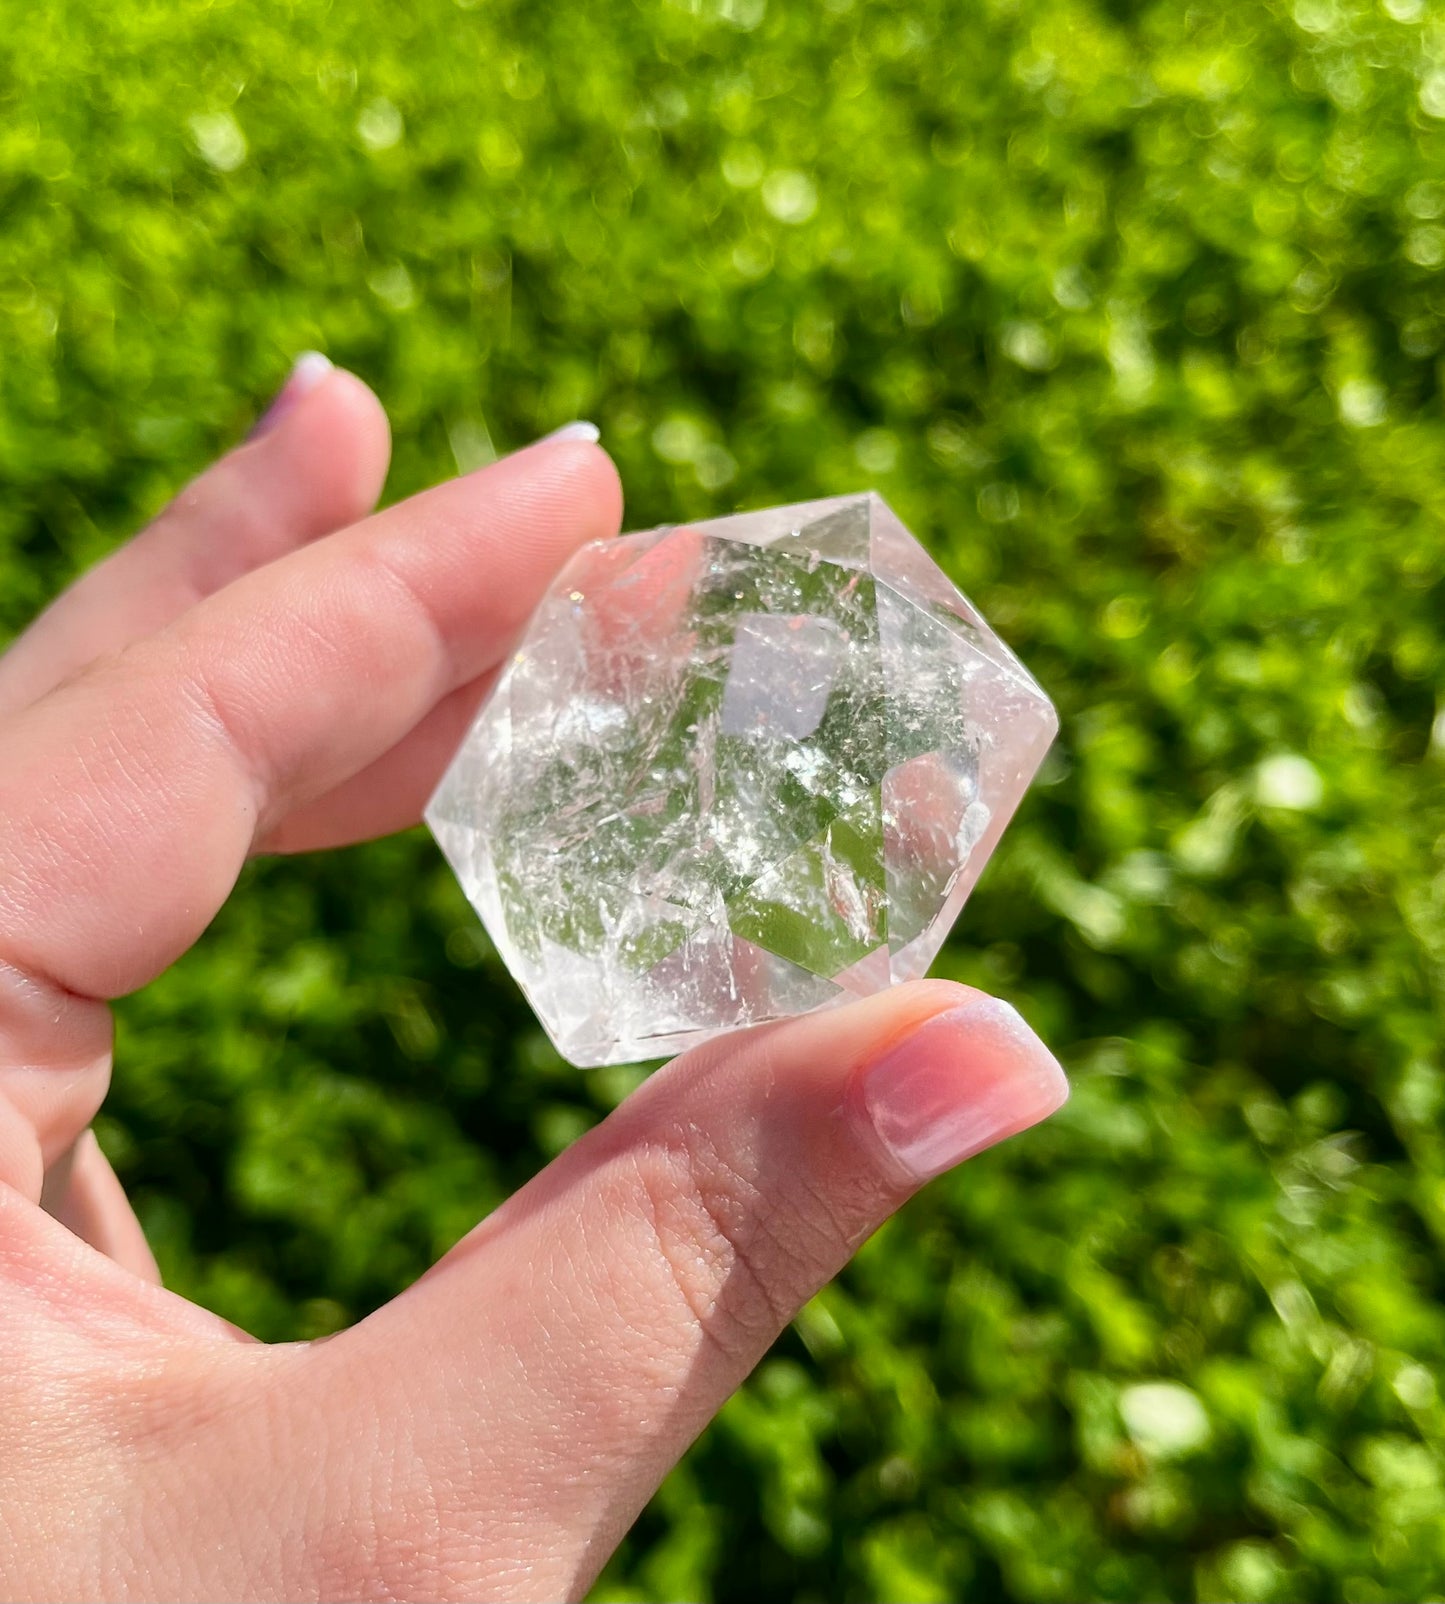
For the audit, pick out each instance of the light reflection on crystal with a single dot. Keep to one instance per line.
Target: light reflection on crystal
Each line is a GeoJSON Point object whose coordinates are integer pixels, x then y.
{"type": "Point", "coordinates": [735, 771]}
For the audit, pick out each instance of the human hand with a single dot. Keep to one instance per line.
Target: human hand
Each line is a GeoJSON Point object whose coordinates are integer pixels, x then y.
{"type": "Point", "coordinates": [268, 669]}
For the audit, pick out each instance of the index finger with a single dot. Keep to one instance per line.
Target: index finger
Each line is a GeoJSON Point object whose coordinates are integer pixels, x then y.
{"type": "Point", "coordinates": [131, 797]}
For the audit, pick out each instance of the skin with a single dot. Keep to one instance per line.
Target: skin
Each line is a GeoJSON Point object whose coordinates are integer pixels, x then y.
{"type": "Point", "coordinates": [270, 667]}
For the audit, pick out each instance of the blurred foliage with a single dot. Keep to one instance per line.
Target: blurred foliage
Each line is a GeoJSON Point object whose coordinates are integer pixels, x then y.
{"type": "Point", "coordinates": [1134, 312]}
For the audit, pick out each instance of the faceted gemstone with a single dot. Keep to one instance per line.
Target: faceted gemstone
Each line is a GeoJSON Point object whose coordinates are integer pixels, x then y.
{"type": "Point", "coordinates": [736, 770]}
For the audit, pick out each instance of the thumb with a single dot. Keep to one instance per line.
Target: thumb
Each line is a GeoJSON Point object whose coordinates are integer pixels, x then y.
{"type": "Point", "coordinates": [543, 1378]}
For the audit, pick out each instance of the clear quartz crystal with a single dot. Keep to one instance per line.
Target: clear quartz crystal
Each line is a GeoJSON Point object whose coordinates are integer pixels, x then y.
{"type": "Point", "coordinates": [736, 770]}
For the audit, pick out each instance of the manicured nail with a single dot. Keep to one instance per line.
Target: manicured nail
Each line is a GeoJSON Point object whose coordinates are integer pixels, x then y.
{"type": "Point", "coordinates": [580, 430]}
{"type": "Point", "coordinates": [962, 1081]}
{"type": "Point", "coordinates": [310, 369]}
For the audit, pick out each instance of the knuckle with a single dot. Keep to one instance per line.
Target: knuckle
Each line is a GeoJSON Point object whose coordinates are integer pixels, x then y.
{"type": "Point", "coordinates": [741, 1255]}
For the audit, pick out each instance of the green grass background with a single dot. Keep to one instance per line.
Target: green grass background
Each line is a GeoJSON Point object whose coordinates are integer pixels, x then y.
{"type": "Point", "coordinates": [1135, 313]}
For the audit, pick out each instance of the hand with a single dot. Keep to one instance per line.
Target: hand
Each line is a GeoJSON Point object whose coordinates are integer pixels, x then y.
{"type": "Point", "coordinates": [267, 668]}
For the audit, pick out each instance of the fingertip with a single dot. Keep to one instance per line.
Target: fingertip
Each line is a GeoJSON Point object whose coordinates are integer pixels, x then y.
{"type": "Point", "coordinates": [589, 472]}
{"type": "Point", "coordinates": [308, 373]}
{"type": "Point", "coordinates": [358, 413]}
{"type": "Point", "coordinates": [331, 441]}
{"type": "Point", "coordinates": [354, 397]}
{"type": "Point", "coordinates": [959, 1081]}
{"type": "Point", "coordinates": [611, 498]}
{"type": "Point", "coordinates": [821, 1057]}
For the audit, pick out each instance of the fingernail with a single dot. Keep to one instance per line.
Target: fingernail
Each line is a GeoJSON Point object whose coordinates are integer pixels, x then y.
{"type": "Point", "coordinates": [309, 370]}
{"type": "Point", "coordinates": [961, 1082]}
{"type": "Point", "coordinates": [580, 430]}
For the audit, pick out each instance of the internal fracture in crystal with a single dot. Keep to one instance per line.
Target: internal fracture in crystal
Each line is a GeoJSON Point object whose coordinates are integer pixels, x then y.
{"type": "Point", "coordinates": [735, 771]}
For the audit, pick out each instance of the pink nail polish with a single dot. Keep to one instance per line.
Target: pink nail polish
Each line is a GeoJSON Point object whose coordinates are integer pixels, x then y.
{"type": "Point", "coordinates": [310, 370]}
{"type": "Point", "coordinates": [961, 1082]}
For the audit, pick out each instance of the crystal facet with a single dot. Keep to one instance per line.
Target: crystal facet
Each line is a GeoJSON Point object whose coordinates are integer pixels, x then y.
{"type": "Point", "coordinates": [736, 770]}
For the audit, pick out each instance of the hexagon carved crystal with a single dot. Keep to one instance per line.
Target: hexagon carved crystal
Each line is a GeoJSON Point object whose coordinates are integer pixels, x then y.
{"type": "Point", "coordinates": [736, 770]}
